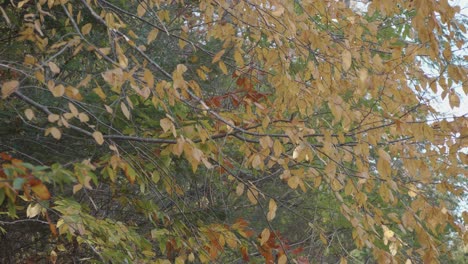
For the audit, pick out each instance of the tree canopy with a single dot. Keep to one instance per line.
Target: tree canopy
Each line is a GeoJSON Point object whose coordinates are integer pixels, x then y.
{"type": "Point", "coordinates": [230, 131]}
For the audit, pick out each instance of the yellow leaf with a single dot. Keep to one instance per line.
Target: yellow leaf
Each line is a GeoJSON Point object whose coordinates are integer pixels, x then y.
{"type": "Point", "coordinates": [336, 184]}
{"type": "Point", "coordinates": [203, 257]}
{"type": "Point", "coordinates": [240, 189]}
{"type": "Point", "coordinates": [191, 257]}
{"type": "Point", "coordinates": [166, 124]}
{"type": "Point", "coordinates": [9, 87]}
{"type": "Point", "coordinates": [202, 74]}
{"type": "Point", "coordinates": [178, 148]}
{"type": "Point", "coordinates": [272, 205]}
{"type": "Point", "coordinates": [98, 137]}
{"type": "Point", "coordinates": [29, 60]}
{"type": "Point", "coordinates": [363, 75]}
{"type": "Point", "coordinates": [179, 260]}
{"type": "Point", "coordinates": [98, 90]}
{"type": "Point", "coordinates": [37, 27]}
{"type": "Point", "coordinates": [377, 62]}
{"type": "Point", "coordinates": [218, 56]}
{"type": "Point", "coordinates": [57, 91]}
{"type": "Point", "coordinates": [84, 82]}
{"type": "Point", "coordinates": [222, 66]}
{"type": "Point", "coordinates": [256, 161]}
{"type": "Point", "coordinates": [29, 114]}
{"type": "Point", "coordinates": [86, 182]}
{"type": "Point", "coordinates": [53, 118]}
{"type": "Point", "coordinates": [384, 155]}
{"type": "Point", "coordinates": [41, 191]}
{"type": "Point", "coordinates": [141, 10]}
{"type": "Point", "coordinates": [264, 236]}
{"type": "Point", "coordinates": [238, 58]}
{"type": "Point", "coordinates": [181, 68]}
{"type": "Point", "coordinates": [266, 142]}
{"type": "Point", "coordinates": [53, 67]}
{"type": "Point", "coordinates": [125, 110]}
{"type": "Point", "coordinates": [63, 121]}
{"type": "Point", "coordinates": [231, 240]}
{"type": "Point", "coordinates": [412, 190]}
{"type": "Point", "coordinates": [86, 29]}
{"type": "Point", "coordinates": [252, 196]}
{"type": "Point", "coordinates": [123, 60]}
{"type": "Point", "coordinates": [346, 59]}
{"type": "Point", "coordinates": [33, 210]}
{"type": "Point", "coordinates": [279, 10]}
{"type": "Point", "coordinates": [271, 210]}
{"type": "Point", "coordinates": [83, 117]}
{"type": "Point", "coordinates": [39, 76]}
{"type": "Point", "coordinates": [297, 151]}
{"type": "Point", "coordinates": [388, 234]}
{"type": "Point", "coordinates": [68, 116]}
{"type": "Point", "coordinates": [323, 238]}
{"type": "Point", "coordinates": [108, 109]}
{"type": "Point", "coordinates": [293, 182]}
{"type": "Point", "coordinates": [454, 100]}
{"type": "Point", "coordinates": [149, 78]}
{"type": "Point", "coordinates": [77, 187]}
{"type": "Point", "coordinates": [73, 93]}
{"type": "Point", "coordinates": [55, 132]}
{"type": "Point", "coordinates": [278, 148]}
{"type": "Point", "coordinates": [73, 109]}
{"type": "Point", "coordinates": [343, 260]}
{"type": "Point", "coordinates": [113, 77]}
{"type": "Point", "coordinates": [393, 249]}
{"type": "Point", "coordinates": [282, 259]}
{"type": "Point", "coordinates": [152, 35]}
{"type": "Point", "coordinates": [384, 168]}
{"type": "Point", "coordinates": [105, 51]}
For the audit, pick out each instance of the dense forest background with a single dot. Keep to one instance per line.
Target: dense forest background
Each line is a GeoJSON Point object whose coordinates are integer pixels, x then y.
{"type": "Point", "coordinates": [232, 131]}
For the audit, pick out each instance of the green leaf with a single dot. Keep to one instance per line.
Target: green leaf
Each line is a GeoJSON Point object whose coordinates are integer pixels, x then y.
{"type": "Point", "coordinates": [18, 183]}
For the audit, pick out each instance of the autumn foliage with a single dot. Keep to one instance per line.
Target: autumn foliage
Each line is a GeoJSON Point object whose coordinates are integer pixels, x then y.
{"type": "Point", "coordinates": [232, 131]}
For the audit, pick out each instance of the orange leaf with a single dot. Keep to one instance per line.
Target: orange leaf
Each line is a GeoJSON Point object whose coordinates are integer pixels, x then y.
{"type": "Point", "coordinates": [245, 254]}
{"type": "Point", "coordinates": [5, 156]}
